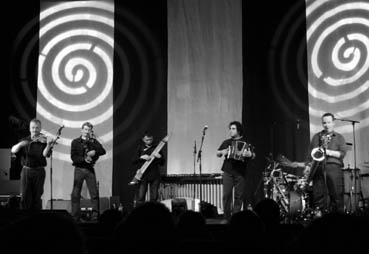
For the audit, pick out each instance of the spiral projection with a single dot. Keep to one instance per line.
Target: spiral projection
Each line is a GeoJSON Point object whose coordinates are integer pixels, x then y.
{"type": "Point", "coordinates": [75, 70]}
{"type": "Point", "coordinates": [338, 61]}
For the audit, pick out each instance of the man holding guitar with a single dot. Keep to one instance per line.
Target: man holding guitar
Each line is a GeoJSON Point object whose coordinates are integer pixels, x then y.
{"type": "Point", "coordinates": [148, 154]}
{"type": "Point", "coordinates": [85, 151]}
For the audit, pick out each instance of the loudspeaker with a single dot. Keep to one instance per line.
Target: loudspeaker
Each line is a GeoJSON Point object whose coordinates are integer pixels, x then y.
{"type": "Point", "coordinates": [105, 204]}
{"type": "Point", "coordinates": [208, 210]}
{"type": "Point", "coordinates": [5, 158]}
{"type": "Point", "coordinates": [60, 204]}
{"type": "Point", "coordinates": [9, 187]}
{"type": "Point", "coordinates": [61, 212]}
{"type": "Point", "coordinates": [179, 206]}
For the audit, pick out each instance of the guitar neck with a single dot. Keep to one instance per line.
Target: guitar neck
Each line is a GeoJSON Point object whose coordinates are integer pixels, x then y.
{"type": "Point", "coordinates": [158, 147]}
{"type": "Point", "coordinates": [156, 150]}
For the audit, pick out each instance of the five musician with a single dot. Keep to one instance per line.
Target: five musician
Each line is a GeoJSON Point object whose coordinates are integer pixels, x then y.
{"type": "Point", "coordinates": [326, 176]}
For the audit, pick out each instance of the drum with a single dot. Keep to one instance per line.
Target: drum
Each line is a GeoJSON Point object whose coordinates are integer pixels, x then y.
{"type": "Point", "coordinates": [297, 203]}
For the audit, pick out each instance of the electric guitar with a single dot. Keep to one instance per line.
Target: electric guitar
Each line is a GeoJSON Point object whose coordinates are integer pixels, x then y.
{"type": "Point", "coordinates": [139, 173]}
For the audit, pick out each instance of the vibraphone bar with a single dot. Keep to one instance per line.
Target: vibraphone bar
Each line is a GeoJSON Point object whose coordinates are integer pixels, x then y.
{"type": "Point", "coordinates": [188, 186]}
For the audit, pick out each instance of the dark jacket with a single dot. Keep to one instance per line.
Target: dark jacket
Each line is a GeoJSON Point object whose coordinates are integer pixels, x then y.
{"type": "Point", "coordinates": [79, 149]}
{"type": "Point", "coordinates": [153, 171]}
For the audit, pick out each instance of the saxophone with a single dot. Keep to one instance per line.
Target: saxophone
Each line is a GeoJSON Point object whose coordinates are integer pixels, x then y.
{"type": "Point", "coordinates": [318, 155]}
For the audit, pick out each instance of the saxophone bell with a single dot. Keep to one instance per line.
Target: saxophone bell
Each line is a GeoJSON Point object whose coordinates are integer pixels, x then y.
{"type": "Point", "coordinates": [318, 154]}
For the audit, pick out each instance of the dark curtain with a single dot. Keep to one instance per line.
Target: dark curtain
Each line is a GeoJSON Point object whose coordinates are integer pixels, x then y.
{"type": "Point", "coordinates": [140, 84]}
{"type": "Point", "coordinates": [275, 105]}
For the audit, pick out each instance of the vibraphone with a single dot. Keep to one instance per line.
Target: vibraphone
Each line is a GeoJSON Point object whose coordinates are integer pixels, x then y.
{"type": "Point", "coordinates": [188, 186]}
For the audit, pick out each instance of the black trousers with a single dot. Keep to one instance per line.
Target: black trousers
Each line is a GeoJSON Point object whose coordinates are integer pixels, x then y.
{"type": "Point", "coordinates": [32, 187]}
{"type": "Point", "coordinates": [80, 175]}
{"type": "Point", "coordinates": [142, 189]}
{"type": "Point", "coordinates": [328, 188]}
{"type": "Point", "coordinates": [238, 183]}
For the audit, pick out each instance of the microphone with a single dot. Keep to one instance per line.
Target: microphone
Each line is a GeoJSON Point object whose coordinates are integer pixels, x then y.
{"type": "Point", "coordinates": [203, 130]}
{"type": "Point", "coordinates": [194, 148]}
{"type": "Point", "coordinates": [346, 120]}
{"type": "Point", "coordinates": [298, 124]}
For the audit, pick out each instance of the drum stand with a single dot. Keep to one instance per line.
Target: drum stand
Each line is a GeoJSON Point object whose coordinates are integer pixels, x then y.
{"type": "Point", "coordinates": [283, 200]}
{"type": "Point", "coordinates": [353, 189]}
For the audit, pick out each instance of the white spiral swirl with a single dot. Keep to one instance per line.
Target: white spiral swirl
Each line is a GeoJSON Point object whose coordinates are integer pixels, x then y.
{"type": "Point", "coordinates": [339, 60]}
{"type": "Point", "coordinates": [75, 67]}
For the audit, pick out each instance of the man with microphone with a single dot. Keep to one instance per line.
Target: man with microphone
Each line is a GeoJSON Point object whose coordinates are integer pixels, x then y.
{"type": "Point", "coordinates": [234, 170]}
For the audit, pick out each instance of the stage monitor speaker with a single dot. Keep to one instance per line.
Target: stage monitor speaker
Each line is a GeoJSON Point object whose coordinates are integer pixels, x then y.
{"type": "Point", "coordinates": [61, 212]}
{"type": "Point", "coordinates": [208, 210]}
{"type": "Point", "coordinates": [5, 159]}
{"type": "Point", "coordinates": [9, 187]}
{"type": "Point", "coordinates": [105, 204]}
{"type": "Point", "coordinates": [179, 205]}
{"type": "Point", "coordinates": [60, 204]}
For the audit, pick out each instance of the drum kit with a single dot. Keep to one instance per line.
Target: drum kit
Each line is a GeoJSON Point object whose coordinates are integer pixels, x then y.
{"type": "Point", "coordinates": [290, 191]}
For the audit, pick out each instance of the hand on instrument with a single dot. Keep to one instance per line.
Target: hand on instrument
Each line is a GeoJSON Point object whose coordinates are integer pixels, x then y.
{"type": "Point", "coordinates": [23, 143]}
{"type": "Point", "coordinates": [145, 157]}
{"type": "Point", "coordinates": [40, 138]}
{"type": "Point", "coordinates": [91, 153]}
{"type": "Point", "coordinates": [157, 155]}
{"type": "Point", "coordinates": [247, 153]}
{"type": "Point", "coordinates": [224, 151]}
{"type": "Point", "coordinates": [306, 170]}
{"type": "Point", "coordinates": [88, 159]}
{"type": "Point", "coordinates": [297, 164]}
{"type": "Point", "coordinates": [50, 140]}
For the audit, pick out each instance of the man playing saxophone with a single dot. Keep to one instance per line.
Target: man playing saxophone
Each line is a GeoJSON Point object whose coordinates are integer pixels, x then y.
{"type": "Point", "coordinates": [326, 151]}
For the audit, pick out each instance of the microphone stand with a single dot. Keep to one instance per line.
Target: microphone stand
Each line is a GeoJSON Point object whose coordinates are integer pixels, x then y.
{"type": "Point", "coordinates": [51, 167]}
{"type": "Point", "coordinates": [200, 168]}
{"type": "Point", "coordinates": [353, 122]}
{"type": "Point", "coordinates": [194, 174]}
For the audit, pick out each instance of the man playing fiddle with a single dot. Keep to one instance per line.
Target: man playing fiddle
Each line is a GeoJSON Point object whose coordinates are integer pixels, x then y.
{"type": "Point", "coordinates": [33, 151]}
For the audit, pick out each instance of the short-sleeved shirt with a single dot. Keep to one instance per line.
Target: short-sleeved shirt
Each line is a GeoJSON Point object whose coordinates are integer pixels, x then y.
{"type": "Point", "coordinates": [232, 166]}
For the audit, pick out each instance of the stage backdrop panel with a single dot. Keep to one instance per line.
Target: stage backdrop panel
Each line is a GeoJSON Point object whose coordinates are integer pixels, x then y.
{"type": "Point", "coordinates": [338, 70]}
{"type": "Point", "coordinates": [75, 85]}
{"type": "Point", "coordinates": [204, 79]}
